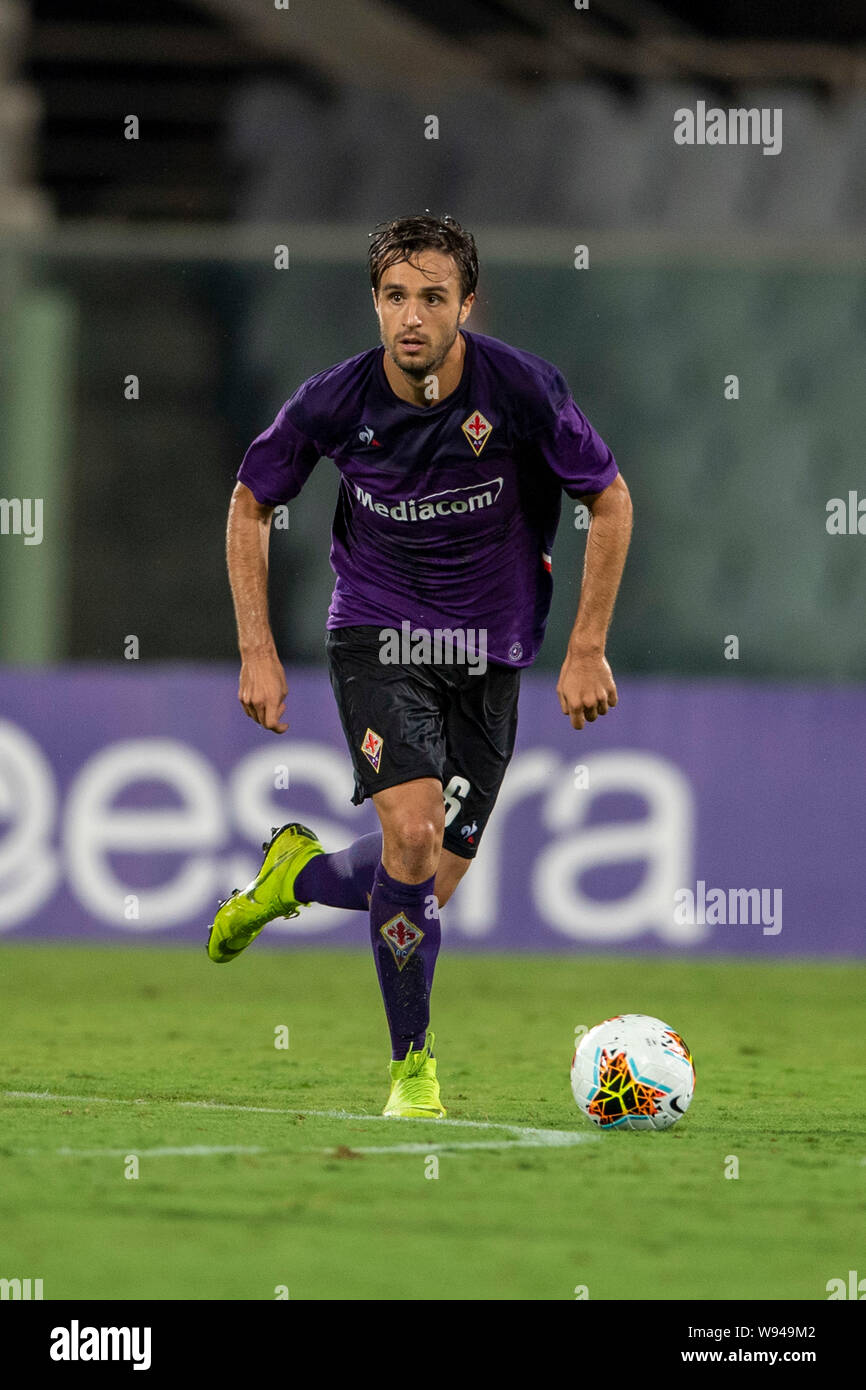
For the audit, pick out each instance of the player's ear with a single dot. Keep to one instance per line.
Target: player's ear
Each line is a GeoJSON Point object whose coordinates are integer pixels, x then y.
{"type": "Point", "coordinates": [375, 300]}
{"type": "Point", "coordinates": [466, 307]}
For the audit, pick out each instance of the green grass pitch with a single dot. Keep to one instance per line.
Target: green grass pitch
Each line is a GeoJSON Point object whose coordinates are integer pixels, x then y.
{"type": "Point", "coordinates": [127, 1035]}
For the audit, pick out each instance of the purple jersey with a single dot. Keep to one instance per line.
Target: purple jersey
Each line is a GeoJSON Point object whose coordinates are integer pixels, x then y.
{"type": "Point", "coordinates": [447, 512]}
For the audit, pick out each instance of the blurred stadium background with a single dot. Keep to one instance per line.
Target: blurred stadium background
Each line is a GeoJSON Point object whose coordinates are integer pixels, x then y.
{"type": "Point", "coordinates": [260, 126]}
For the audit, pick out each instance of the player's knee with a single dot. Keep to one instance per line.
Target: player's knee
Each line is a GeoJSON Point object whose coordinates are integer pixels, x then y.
{"type": "Point", "coordinates": [415, 840]}
{"type": "Point", "coordinates": [418, 835]}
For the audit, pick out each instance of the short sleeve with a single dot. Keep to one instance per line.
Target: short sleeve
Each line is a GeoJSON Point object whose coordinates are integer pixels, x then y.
{"type": "Point", "coordinates": [279, 462]}
{"type": "Point", "coordinates": [573, 451]}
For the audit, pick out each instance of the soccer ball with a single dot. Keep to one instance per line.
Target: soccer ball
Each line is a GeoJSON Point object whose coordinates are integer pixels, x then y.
{"type": "Point", "coordinates": [632, 1072]}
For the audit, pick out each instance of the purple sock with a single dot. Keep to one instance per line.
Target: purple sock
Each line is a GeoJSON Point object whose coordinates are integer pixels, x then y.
{"type": "Point", "coordinates": [344, 879]}
{"type": "Point", "coordinates": [405, 932]}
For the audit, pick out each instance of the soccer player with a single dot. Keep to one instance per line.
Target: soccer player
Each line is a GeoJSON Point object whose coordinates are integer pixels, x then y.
{"type": "Point", "coordinates": [453, 450]}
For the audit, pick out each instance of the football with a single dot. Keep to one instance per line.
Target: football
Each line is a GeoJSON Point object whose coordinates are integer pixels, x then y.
{"type": "Point", "coordinates": [632, 1072]}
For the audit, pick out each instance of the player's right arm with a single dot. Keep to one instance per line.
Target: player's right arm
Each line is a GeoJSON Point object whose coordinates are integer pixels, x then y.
{"type": "Point", "coordinates": [262, 689]}
{"type": "Point", "coordinates": [274, 469]}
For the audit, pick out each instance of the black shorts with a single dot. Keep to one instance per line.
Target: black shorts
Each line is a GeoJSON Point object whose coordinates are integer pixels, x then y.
{"type": "Point", "coordinates": [432, 720]}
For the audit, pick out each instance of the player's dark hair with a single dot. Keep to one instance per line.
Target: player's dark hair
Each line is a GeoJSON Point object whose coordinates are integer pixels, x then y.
{"type": "Point", "coordinates": [406, 237]}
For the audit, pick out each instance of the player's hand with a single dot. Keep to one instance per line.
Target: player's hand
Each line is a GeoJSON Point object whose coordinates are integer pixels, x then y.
{"type": "Point", "coordinates": [262, 691]}
{"type": "Point", "coordinates": [586, 688]}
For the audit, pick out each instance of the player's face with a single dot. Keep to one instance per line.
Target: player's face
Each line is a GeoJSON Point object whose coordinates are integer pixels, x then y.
{"type": "Point", "coordinates": [420, 311]}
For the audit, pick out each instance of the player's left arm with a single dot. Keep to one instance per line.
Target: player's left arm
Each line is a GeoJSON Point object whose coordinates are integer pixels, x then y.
{"type": "Point", "coordinates": [586, 686]}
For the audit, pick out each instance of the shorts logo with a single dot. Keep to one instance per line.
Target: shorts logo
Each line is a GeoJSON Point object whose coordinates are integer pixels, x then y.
{"type": "Point", "coordinates": [371, 746]}
{"type": "Point", "coordinates": [402, 936]}
{"type": "Point", "coordinates": [477, 431]}
{"type": "Point", "coordinates": [468, 832]}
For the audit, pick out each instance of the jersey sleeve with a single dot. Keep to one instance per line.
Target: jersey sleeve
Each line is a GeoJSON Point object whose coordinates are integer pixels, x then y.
{"type": "Point", "coordinates": [573, 451]}
{"type": "Point", "coordinates": [280, 460]}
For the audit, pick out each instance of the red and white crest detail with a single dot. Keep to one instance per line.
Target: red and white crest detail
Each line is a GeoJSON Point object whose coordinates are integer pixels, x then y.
{"type": "Point", "coordinates": [371, 746]}
{"type": "Point", "coordinates": [477, 430]}
{"type": "Point", "coordinates": [402, 936]}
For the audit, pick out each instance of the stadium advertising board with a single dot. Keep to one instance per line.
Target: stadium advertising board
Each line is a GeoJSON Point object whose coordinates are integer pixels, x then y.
{"type": "Point", "coordinates": [698, 817]}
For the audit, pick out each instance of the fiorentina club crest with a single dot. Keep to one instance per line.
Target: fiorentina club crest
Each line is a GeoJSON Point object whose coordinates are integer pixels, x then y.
{"type": "Point", "coordinates": [371, 747]}
{"type": "Point", "coordinates": [477, 431]}
{"type": "Point", "coordinates": [402, 936]}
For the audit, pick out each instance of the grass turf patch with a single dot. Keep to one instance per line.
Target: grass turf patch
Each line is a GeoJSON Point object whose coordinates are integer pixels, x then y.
{"type": "Point", "coordinates": [629, 1215]}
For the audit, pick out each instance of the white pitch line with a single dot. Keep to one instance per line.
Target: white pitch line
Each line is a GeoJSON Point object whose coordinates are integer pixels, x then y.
{"type": "Point", "coordinates": [188, 1151]}
{"type": "Point", "coordinates": [123, 1100]}
{"type": "Point", "coordinates": [528, 1136]}
{"type": "Point", "coordinates": [566, 1140]}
